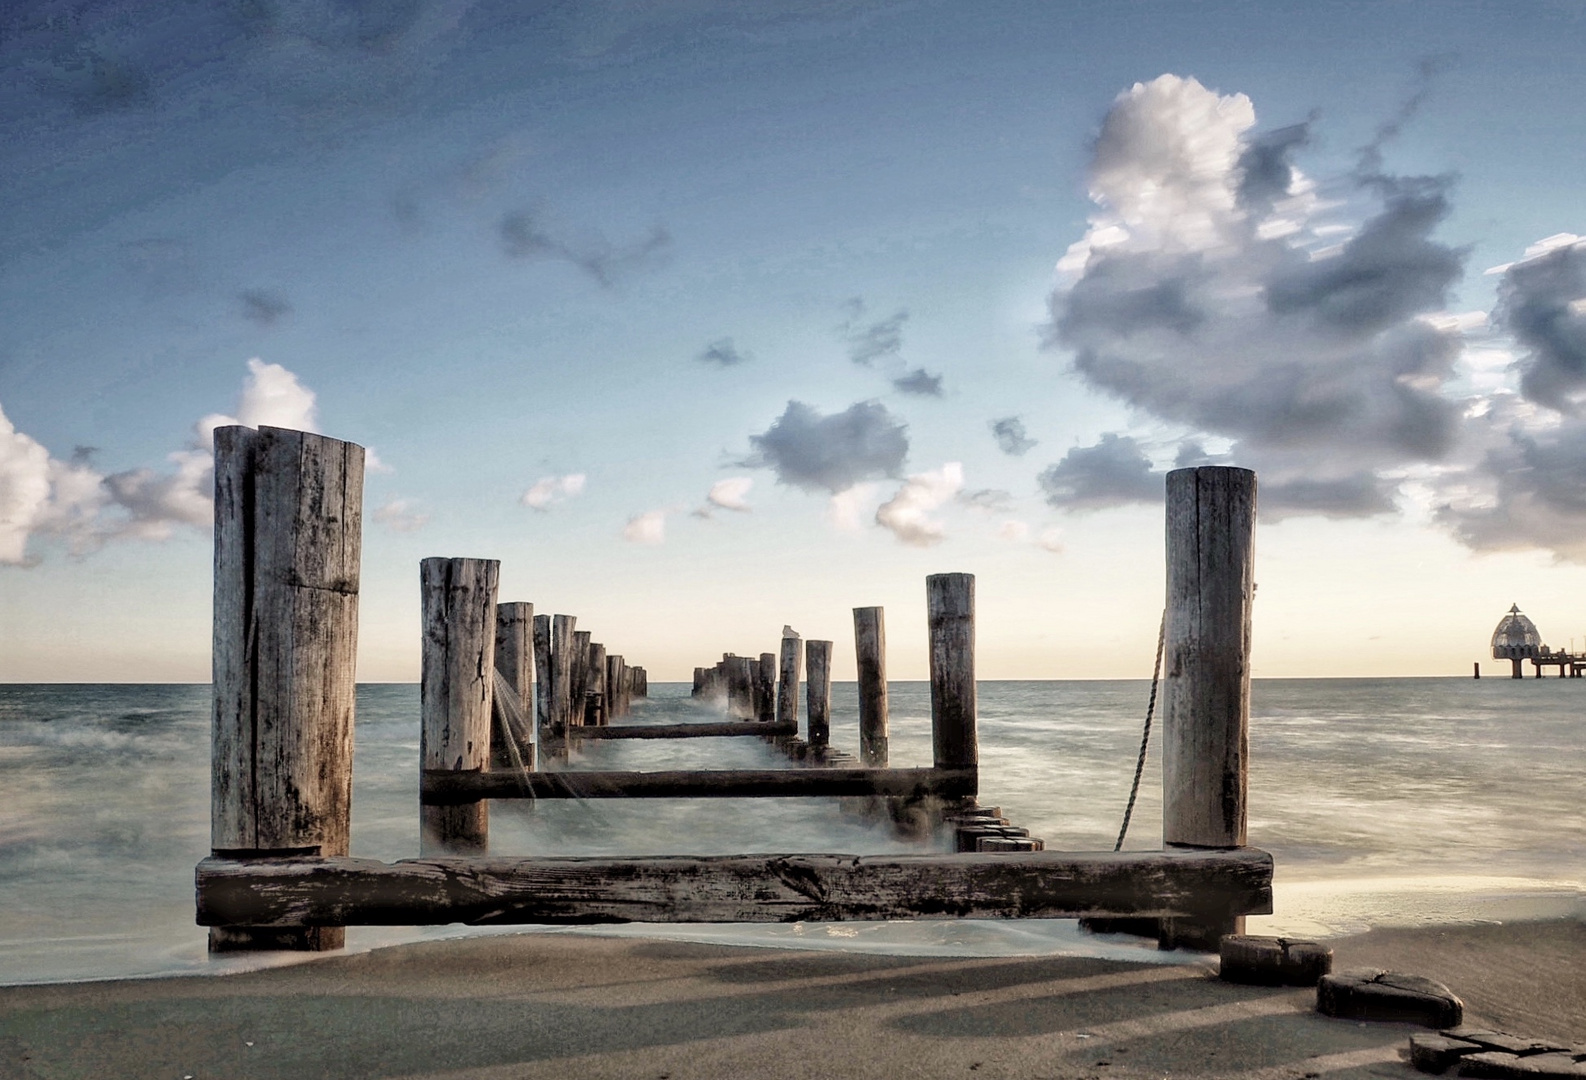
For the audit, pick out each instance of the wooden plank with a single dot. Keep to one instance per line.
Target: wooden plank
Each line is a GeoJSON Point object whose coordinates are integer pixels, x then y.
{"type": "Point", "coordinates": [1206, 663]}
{"type": "Point", "coordinates": [870, 651]}
{"type": "Point", "coordinates": [442, 788]}
{"type": "Point", "coordinates": [735, 888]}
{"type": "Point", "coordinates": [950, 611]}
{"type": "Point", "coordinates": [683, 731]}
{"type": "Point", "coordinates": [818, 670]}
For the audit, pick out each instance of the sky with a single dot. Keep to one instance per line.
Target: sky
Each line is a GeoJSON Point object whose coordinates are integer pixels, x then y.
{"type": "Point", "coordinates": [707, 318]}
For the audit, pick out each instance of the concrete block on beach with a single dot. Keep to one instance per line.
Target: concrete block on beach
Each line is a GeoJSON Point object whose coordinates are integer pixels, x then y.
{"type": "Point", "coordinates": [1374, 994]}
{"type": "Point", "coordinates": [1272, 961]}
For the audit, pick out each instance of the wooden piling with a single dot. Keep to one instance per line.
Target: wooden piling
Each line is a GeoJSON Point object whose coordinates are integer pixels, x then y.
{"type": "Point", "coordinates": [580, 679]}
{"type": "Point", "coordinates": [870, 650]}
{"type": "Point", "coordinates": [787, 690]}
{"type": "Point", "coordinates": [456, 693]}
{"type": "Point", "coordinates": [740, 705]}
{"type": "Point", "coordinates": [818, 673]}
{"type": "Point", "coordinates": [1211, 514]}
{"type": "Point", "coordinates": [765, 688]}
{"type": "Point", "coordinates": [562, 629]}
{"type": "Point", "coordinates": [595, 710]}
{"type": "Point", "coordinates": [698, 689]}
{"type": "Point", "coordinates": [515, 661]}
{"type": "Point", "coordinates": [542, 677]}
{"type": "Point", "coordinates": [288, 541]}
{"type": "Point", "coordinates": [950, 610]}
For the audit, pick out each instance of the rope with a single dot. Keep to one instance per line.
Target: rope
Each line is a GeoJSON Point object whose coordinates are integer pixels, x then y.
{"type": "Point", "coordinates": [1145, 737]}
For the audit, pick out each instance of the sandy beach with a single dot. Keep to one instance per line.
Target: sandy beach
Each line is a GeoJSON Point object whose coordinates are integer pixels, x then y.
{"type": "Point", "coordinates": [562, 1006]}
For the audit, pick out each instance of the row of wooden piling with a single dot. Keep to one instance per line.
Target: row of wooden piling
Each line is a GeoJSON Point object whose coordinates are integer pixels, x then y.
{"type": "Point", "coordinates": [288, 512]}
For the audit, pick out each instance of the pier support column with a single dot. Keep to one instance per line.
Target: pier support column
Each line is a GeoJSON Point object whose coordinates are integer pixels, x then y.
{"type": "Point", "coordinates": [515, 661]}
{"type": "Point", "coordinates": [870, 652]}
{"type": "Point", "coordinates": [456, 694]}
{"type": "Point", "coordinates": [1211, 514]}
{"type": "Point", "coordinates": [950, 611]}
{"type": "Point", "coordinates": [288, 542]}
{"type": "Point", "coordinates": [818, 671]}
{"type": "Point", "coordinates": [787, 690]}
{"type": "Point", "coordinates": [1518, 671]}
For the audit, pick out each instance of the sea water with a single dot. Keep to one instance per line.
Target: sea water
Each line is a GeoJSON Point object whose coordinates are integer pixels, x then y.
{"type": "Point", "coordinates": [1383, 802]}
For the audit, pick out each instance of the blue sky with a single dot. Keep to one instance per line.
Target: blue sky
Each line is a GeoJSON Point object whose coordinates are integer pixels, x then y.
{"type": "Point", "coordinates": [508, 245]}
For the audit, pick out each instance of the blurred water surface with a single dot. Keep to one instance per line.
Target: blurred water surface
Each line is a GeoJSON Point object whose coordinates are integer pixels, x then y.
{"type": "Point", "coordinates": [1384, 801]}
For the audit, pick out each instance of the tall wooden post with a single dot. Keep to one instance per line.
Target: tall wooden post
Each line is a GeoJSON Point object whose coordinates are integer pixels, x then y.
{"type": "Point", "coordinates": [765, 688]}
{"type": "Point", "coordinates": [950, 609]}
{"type": "Point", "coordinates": [542, 677]}
{"type": "Point", "coordinates": [818, 672]}
{"type": "Point", "coordinates": [595, 710]}
{"type": "Point", "coordinates": [614, 685]}
{"type": "Point", "coordinates": [1211, 513]}
{"type": "Point", "coordinates": [515, 661]}
{"type": "Point", "coordinates": [870, 649]}
{"type": "Point", "coordinates": [580, 678]}
{"type": "Point", "coordinates": [288, 539]}
{"type": "Point", "coordinates": [562, 629]}
{"type": "Point", "coordinates": [456, 693]}
{"type": "Point", "coordinates": [740, 693]}
{"type": "Point", "coordinates": [787, 691]}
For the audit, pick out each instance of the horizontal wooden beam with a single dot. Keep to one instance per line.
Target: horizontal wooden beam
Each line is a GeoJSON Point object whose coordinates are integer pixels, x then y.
{"type": "Point", "coordinates": [438, 788]}
{"type": "Point", "coordinates": [681, 731]}
{"type": "Point", "coordinates": [307, 891]}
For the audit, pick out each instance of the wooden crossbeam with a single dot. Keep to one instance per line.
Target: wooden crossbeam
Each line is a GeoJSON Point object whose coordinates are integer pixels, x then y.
{"type": "Point", "coordinates": [342, 891]}
{"type": "Point", "coordinates": [442, 788]}
{"type": "Point", "coordinates": [681, 731]}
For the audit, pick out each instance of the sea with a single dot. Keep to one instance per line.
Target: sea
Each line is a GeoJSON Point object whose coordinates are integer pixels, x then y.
{"type": "Point", "coordinates": [1384, 802]}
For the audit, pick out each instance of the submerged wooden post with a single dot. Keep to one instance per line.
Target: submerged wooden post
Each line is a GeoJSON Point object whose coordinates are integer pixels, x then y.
{"type": "Point", "coordinates": [595, 690]}
{"type": "Point", "coordinates": [542, 676]}
{"type": "Point", "coordinates": [950, 609]}
{"type": "Point", "coordinates": [580, 679]}
{"type": "Point", "coordinates": [818, 671]}
{"type": "Point", "coordinates": [562, 629]}
{"type": "Point", "coordinates": [765, 689]}
{"type": "Point", "coordinates": [870, 650]}
{"type": "Point", "coordinates": [456, 693]}
{"type": "Point", "coordinates": [1211, 512]}
{"type": "Point", "coordinates": [515, 661]}
{"type": "Point", "coordinates": [288, 540]}
{"type": "Point", "coordinates": [787, 690]}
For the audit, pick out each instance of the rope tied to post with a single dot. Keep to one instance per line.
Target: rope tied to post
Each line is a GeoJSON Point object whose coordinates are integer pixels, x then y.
{"type": "Point", "coordinates": [1145, 736]}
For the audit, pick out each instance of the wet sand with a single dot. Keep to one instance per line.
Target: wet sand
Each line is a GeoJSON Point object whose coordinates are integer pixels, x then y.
{"type": "Point", "coordinates": [564, 1006]}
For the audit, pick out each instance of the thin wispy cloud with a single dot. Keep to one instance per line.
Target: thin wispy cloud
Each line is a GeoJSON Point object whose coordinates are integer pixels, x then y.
{"type": "Point", "coordinates": [524, 237]}
{"type": "Point", "coordinates": [909, 513]}
{"type": "Point", "coordinates": [401, 516]}
{"type": "Point", "coordinates": [1012, 439]}
{"type": "Point", "coordinates": [723, 353]}
{"type": "Point", "coordinates": [648, 528]}
{"type": "Point", "coordinates": [547, 491]}
{"type": "Point", "coordinates": [264, 307]}
{"type": "Point", "coordinates": [920, 383]}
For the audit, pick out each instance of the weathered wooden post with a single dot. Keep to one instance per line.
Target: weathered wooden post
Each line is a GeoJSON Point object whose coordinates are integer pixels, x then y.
{"type": "Point", "coordinates": [288, 540]}
{"type": "Point", "coordinates": [818, 673]}
{"type": "Point", "coordinates": [1211, 512]}
{"type": "Point", "coordinates": [740, 705]}
{"type": "Point", "coordinates": [698, 689]}
{"type": "Point", "coordinates": [457, 688]}
{"type": "Point", "coordinates": [765, 689]}
{"type": "Point", "coordinates": [787, 691]}
{"type": "Point", "coordinates": [595, 711]}
{"type": "Point", "coordinates": [542, 677]}
{"type": "Point", "coordinates": [562, 629]}
{"type": "Point", "coordinates": [580, 678]}
{"type": "Point", "coordinates": [950, 609]}
{"type": "Point", "coordinates": [614, 684]}
{"type": "Point", "coordinates": [870, 649]}
{"type": "Point", "coordinates": [515, 661]}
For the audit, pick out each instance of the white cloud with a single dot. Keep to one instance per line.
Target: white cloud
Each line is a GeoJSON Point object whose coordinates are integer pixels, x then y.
{"type": "Point", "coordinates": [549, 490]}
{"type": "Point", "coordinates": [400, 515]}
{"type": "Point", "coordinates": [24, 489]}
{"type": "Point", "coordinates": [646, 528]}
{"type": "Point", "coordinates": [845, 510]}
{"type": "Point", "coordinates": [908, 513]}
{"type": "Point", "coordinates": [729, 494]}
{"type": "Point", "coordinates": [1051, 539]}
{"type": "Point", "coordinates": [271, 397]}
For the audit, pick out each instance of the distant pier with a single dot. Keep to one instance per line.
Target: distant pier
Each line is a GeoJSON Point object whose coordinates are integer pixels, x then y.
{"type": "Point", "coordinates": [1517, 640]}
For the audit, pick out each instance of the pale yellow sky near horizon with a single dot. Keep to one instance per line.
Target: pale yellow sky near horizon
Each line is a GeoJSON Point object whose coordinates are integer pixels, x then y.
{"type": "Point", "coordinates": [1383, 597]}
